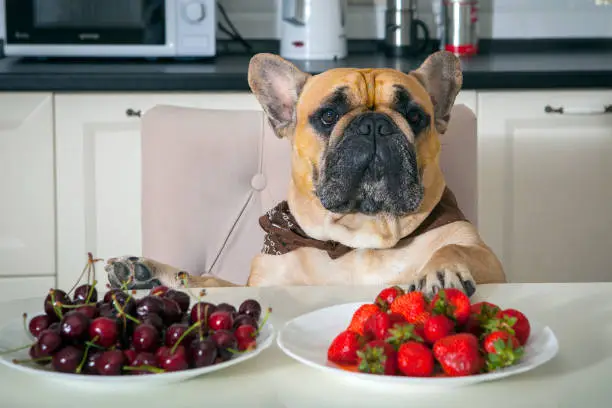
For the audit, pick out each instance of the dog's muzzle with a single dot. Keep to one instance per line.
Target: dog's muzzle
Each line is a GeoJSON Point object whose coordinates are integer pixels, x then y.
{"type": "Point", "coordinates": [372, 169]}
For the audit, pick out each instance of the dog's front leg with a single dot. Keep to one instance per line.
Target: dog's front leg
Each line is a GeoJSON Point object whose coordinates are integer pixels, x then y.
{"type": "Point", "coordinates": [458, 266]}
{"type": "Point", "coordinates": [143, 273]}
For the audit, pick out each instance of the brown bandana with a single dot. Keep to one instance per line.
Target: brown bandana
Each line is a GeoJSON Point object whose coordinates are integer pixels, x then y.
{"type": "Point", "coordinates": [283, 234]}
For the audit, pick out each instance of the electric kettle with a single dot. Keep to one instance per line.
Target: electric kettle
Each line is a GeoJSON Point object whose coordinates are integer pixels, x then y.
{"type": "Point", "coordinates": [313, 29]}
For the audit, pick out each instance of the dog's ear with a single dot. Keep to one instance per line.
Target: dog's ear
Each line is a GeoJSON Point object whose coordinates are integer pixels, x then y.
{"type": "Point", "coordinates": [277, 84]}
{"type": "Point", "coordinates": [441, 76]}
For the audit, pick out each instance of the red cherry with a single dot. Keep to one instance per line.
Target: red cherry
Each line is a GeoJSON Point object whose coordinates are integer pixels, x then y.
{"type": "Point", "coordinates": [220, 320]}
{"type": "Point", "coordinates": [106, 329]}
{"type": "Point", "coordinates": [170, 361]}
{"type": "Point", "coordinates": [145, 338]}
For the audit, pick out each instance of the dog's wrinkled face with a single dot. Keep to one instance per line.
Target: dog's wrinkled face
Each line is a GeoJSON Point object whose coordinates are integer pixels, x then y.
{"type": "Point", "coordinates": [369, 161]}
{"type": "Point", "coordinates": [361, 137]}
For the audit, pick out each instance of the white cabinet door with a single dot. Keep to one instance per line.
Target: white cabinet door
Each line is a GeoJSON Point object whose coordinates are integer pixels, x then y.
{"type": "Point", "coordinates": [99, 171]}
{"type": "Point", "coordinates": [544, 184]}
{"type": "Point", "coordinates": [26, 288]}
{"type": "Point", "coordinates": [27, 219]}
{"type": "Point", "coordinates": [468, 98]}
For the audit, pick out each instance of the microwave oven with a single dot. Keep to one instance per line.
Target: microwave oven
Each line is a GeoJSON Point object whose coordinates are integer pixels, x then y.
{"type": "Point", "coordinates": [109, 28]}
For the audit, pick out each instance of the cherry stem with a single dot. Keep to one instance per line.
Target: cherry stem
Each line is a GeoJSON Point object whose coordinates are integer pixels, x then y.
{"type": "Point", "coordinates": [149, 368]}
{"type": "Point", "coordinates": [57, 309]}
{"type": "Point", "coordinates": [189, 330]}
{"type": "Point", "coordinates": [84, 359]}
{"type": "Point", "coordinates": [122, 312]}
{"type": "Point", "coordinates": [25, 324]}
{"type": "Point", "coordinates": [91, 344]}
{"type": "Point", "coordinates": [80, 277]}
{"type": "Point", "coordinates": [33, 360]}
{"type": "Point", "coordinates": [76, 306]}
{"type": "Point", "coordinates": [263, 322]}
{"type": "Point", "coordinates": [16, 349]}
{"type": "Point", "coordinates": [90, 267]}
{"type": "Point", "coordinates": [184, 282]}
{"type": "Point", "coordinates": [91, 289]}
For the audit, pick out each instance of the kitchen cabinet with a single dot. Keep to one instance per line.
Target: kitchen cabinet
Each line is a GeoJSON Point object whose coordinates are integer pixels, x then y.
{"type": "Point", "coordinates": [26, 288]}
{"type": "Point", "coordinates": [27, 209]}
{"type": "Point", "coordinates": [544, 183]}
{"type": "Point", "coordinates": [98, 169]}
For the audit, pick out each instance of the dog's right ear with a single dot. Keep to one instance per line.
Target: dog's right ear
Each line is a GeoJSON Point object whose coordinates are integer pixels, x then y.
{"type": "Point", "coordinates": [277, 85]}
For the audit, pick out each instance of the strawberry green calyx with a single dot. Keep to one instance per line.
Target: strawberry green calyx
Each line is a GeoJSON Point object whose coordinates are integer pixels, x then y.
{"type": "Point", "coordinates": [372, 360]}
{"type": "Point", "coordinates": [505, 323]}
{"type": "Point", "coordinates": [401, 333]}
{"type": "Point", "coordinates": [382, 304]}
{"type": "Point", "coordinates": [505, 355]}
{"type": "Point", "coordinates": [487, 313]}
{"type": "Point", "coordinates": [442, 306]}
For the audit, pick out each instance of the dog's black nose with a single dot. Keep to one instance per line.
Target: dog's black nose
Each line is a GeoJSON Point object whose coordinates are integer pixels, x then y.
{"type": "Point", "coordinates": [375, 124]}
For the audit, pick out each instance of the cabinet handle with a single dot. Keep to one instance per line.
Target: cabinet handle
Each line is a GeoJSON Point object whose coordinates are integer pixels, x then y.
{"type": "Point", "coordinates": [578, 111]}
{"type": "Point", "coordinates": [131, 113]}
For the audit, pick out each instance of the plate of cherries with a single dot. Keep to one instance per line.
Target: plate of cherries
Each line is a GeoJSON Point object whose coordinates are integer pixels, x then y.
{"type": "Point", "coordinates": [164, 336]}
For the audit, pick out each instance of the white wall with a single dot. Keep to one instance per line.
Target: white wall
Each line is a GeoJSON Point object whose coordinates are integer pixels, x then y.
{"type": "Point", "coordinates": [500, 19]}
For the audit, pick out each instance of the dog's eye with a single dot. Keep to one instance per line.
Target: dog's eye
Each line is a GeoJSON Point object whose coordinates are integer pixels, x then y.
{"type": "Point", "coordinates": [329, 117]}
{"type": "Point", "coordinates": [416, 119]}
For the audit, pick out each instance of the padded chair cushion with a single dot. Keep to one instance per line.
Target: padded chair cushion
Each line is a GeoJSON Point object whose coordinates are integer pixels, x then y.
{"type": "Point", "coordinates": [208, 175]}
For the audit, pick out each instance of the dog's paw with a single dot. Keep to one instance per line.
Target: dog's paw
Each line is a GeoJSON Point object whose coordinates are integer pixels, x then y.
{"type": "Point", "coordinates": [444, 278]}
{"type": "Point", "coordinates": [133, 272]}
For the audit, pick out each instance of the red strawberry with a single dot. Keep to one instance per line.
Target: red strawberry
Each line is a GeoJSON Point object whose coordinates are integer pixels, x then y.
{"type": "Point", "coordinates": [512, 321]}
{"type": "Point", "coordinates": [436, 327]}
{"type": "Point", "coordinates": [343, 348]}
{"type": "Point", "coordinates": [387, 296]}
{"type": "Point", "coordinates": [485, 310]}
{"type": "Point", "coordinates": [413, 306]}
{"type": "Point", "coordinates": [378, 324]}
{"type": "Point", "coordinates": [503, 350]}
{"type": "Point", "coordinates": [459, 355]}
{"type": "Point", "coordinates": [415, 360]}
{"type": "Point", "coordinates": [377, 357]}
{"type": "Point", "coordinates": [480, 314]}
{"type": "Point", "coordinates": [402, 333]}
{"type": "Point", "coordinates": [452, 303]}
{"type": "Point", "coordinates": [360, 316]}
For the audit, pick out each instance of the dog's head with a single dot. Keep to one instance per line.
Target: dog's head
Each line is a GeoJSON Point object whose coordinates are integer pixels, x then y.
{"type": "Point", "coordinates": [363, 139]}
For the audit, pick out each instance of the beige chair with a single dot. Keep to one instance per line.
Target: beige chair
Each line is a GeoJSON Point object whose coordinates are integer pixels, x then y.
{"type": "Point", "coordinates": [208, 175]}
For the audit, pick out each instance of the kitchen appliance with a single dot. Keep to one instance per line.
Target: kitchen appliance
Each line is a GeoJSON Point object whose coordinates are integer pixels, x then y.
{"type": "Point", "coordinates": [109, 28]}
{"type": "Point", "coordinates": [402, 29]}
{"type": "Point", "coordinates": [461, 26]}
{"type": "Point", "coordinates": [313, 29]}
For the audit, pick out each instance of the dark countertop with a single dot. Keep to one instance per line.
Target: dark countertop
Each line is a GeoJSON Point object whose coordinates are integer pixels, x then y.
{"type": "Point", "coordinates": [528, 70]}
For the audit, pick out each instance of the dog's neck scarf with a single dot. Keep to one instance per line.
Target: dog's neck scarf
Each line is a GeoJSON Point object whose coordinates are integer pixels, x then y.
{"type": "Point", "coordinates": [283, 234]}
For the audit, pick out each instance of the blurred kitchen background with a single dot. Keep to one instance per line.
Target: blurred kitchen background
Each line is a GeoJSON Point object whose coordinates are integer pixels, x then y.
{"type": "Point", "coordinates": [498, 19]}
{"type": "Point", "coordinates": [527, 152]}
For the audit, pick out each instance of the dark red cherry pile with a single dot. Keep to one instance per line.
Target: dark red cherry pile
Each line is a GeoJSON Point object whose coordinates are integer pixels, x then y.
{"type": "Point", "coordinates": [120, 334]}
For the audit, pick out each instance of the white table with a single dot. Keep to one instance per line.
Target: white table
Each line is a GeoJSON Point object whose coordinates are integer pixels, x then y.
{"type": "Point", "coordinates": [579, 377]}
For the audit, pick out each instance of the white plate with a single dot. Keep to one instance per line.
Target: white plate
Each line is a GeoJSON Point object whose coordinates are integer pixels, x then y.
{"type": "Point", "coordinates": [13, 335]}
{"type": "Point", "coordinates": [307, 338]}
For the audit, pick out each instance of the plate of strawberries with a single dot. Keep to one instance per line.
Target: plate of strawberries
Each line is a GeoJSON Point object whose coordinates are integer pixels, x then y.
{"type": "Point", "coordinates": [406, 337]}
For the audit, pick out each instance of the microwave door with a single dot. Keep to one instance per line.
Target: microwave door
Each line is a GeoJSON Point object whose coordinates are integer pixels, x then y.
{"type": "Point", "coordinates": [86, 22]}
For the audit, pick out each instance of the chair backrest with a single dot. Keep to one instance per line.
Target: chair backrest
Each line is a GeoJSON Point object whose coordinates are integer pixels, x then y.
{"type": "Point", "coordinates": [208, 175]}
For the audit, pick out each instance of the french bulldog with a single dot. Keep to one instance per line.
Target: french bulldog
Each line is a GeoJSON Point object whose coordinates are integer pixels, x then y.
{"type": "Point", "coordinates": [367, 201]}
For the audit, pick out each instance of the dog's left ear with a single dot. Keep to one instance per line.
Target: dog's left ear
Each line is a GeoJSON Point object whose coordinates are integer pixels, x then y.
{"type": "Point", "coordinates": [441, 76]}
{"type": "Point", "coordinates": [277, 85]}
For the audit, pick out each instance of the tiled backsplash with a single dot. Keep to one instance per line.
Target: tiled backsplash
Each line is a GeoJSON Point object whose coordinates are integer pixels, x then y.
{"type": "Point", "coordinates": [501, 19]}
